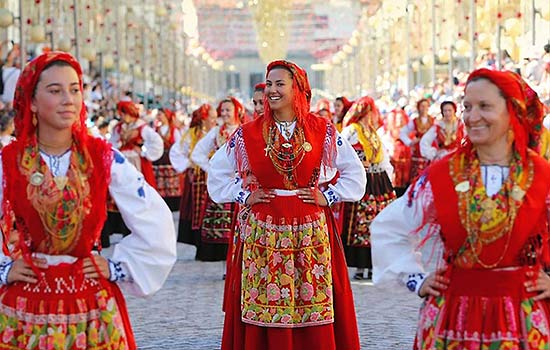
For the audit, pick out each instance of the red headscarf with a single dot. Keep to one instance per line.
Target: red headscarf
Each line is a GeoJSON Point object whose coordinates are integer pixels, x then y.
{"type": "Point", "coordinates": [523, 104]}
{"type": "Point", "coordinates": [300, 87]}
{"type": "Point", "coordinates": [239, 109]}
{"type": "Point", "coordinates": [199, 115]}
{"type": "Point", "coordinates": [170, 115]}
{"type": "Point", "coordinates": [128, 107]}
{"type": "Point", "coordinates": [259, 87]}
{"type": "Point", "coordinates": [24, 91]}
{"type": "Point", "coordinates": [360, 109]}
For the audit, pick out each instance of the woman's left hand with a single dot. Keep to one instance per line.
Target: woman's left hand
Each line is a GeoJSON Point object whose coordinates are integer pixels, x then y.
{"type": "Point", "coordinates": [312, 196]}
{"type": "Point", "coordinates": [540, 284]}
{"type": "Point", "coordinates": [90, 270]}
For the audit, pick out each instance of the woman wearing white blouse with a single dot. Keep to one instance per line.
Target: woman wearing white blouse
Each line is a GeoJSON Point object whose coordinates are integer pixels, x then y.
{"type": "Point", "coordinates": [480, 216]}
{"type": "Point", "coordinates": [218, 222]}
{"type": "Point", "coordinates": [55, 287]}
{"type": "Point", "coordinates": [287, 286]}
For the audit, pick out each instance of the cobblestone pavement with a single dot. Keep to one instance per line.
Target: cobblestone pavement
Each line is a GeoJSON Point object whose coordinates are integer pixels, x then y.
{"type": "Point", "coordinates": [186, 313]}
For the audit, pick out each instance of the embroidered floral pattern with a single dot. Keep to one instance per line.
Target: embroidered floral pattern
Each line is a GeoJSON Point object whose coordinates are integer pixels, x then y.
{"type": "Point", "coordinates": [453, 333]}
{"type": "Point", "coordinates": [61, 208]}
{"type": "Point", "coordinates": [97, 328]}
{"type": "Point", "coordinates": [287, 276]}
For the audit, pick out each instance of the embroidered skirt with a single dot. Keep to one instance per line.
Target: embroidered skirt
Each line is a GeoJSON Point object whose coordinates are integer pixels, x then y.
{"type": "Point", "coordinates": [192, 206]}
{"type": "Point", "coordinates": [288, 286]}
{"type": "Point", "coordinates": [485, 309]}
{"type": "Point", "coordinates": [169, 182]}
{"type": "Point", "coordinates": [64, 310]}
{"type": "Point", "coordinates": [218, 222]}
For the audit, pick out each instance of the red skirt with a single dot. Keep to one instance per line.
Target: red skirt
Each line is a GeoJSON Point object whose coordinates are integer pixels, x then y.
{"type": "Point", "coordinates": [485, 309]}
{"type": "Point", "coordinates": [341, 334]}
{"type": "Point", "coordinates": [64, 310]}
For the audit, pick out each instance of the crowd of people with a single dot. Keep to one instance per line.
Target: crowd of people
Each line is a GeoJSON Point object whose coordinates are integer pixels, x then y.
{"type": "Point", "coordinates": [446, 196]}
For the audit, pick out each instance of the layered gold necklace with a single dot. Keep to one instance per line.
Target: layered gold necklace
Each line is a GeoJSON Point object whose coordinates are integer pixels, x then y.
{"type": "Point", "coordinates": [286, 155]}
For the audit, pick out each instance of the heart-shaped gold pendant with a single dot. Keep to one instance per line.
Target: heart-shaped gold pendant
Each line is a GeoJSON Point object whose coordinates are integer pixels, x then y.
{"type": "Point", "coordinates": [60, 182]}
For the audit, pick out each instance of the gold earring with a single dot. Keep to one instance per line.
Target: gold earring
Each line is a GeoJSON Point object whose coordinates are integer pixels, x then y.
{"type": "Point", "coordinates": [510, 136]}
{"type": "Point", "coordinates": [34, 119]}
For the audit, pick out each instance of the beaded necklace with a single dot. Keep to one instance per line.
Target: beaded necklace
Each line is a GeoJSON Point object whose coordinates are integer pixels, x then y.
{"type": "Point", "coordinates": [286, 155]}
{"type": "Point", "coordinates": [486, 218]}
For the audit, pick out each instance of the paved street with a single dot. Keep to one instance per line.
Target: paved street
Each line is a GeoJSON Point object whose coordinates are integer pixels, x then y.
{"type": "Point", "coordinates": [186, 314]}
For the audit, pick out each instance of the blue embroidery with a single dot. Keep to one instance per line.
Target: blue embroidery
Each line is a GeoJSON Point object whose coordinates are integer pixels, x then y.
{"type": "Point", "coordinates": [119, 158]}
{"type": "Point", "coordinates": [141, 192]}
{"type": "Point", "coordinates": [331, 197]}
{"type": "Point", "coordinates": [414, 280]}
{"type": "Point", "coordinates": [117, 273]}
{"type": "Point", "coordinates": [412, 285]}
{"type": "Point", "coordinates": [241, 197]}
{"type": "Point", "coordinates": [5, 268]}
{"type": "Point", "coordinates": [339, 141]}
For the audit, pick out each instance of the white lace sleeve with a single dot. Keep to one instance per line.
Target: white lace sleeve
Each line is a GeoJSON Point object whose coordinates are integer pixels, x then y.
{"type": "Point", "coordinates": [201, 152]}
{"type": "Point", "coordinates": [395, 254]}
{"type": "Point", "coordinates": [426, 144]}
{"type": "Point", "coordinates": [149, 252]}
{"type": "Point", "coordinates": [153, 146]}
{"type": "Point", "coordinates": [179, 153]}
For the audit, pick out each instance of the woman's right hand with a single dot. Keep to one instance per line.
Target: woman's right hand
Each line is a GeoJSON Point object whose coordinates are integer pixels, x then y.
{"type": "Point", "coordinates": [22, 272]}
{"type": "Point", "coordinates": [260, 196]}
{"type": "Point", "coordinates": [434, 283]}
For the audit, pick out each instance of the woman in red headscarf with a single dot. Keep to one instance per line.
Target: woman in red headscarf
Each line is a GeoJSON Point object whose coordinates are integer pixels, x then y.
{"type": "Point", "coordinates": [141, 145]}
{"type": "Point", "coordinates": [218, 221]}
{"type": "Point", "coordinates": [322, 108]}
{"type": "Point", "coordinates": [445, 135]}
{"type": "Point", "coordinates": [341, 107]}
{"type": "Point", "coordinates": [56, 291]}
{"type": "Point", "coordinates": [194, 195]}
{"type": "Point", "coordinates": [483, 209]}
{"type": "Point", "coordinates": [169, 182]}
{"type": "Point", "coordinates": [360, 131]}
{"type": "Point", "coordinates": [288, 286]}
{"type": "Point", "coordinates": [411, 134]}
{"type": "Point", "coordinates": [137, 140]}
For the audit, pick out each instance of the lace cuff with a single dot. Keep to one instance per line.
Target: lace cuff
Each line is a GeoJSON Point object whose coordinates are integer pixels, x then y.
{"type": "Point", "coordinates": [331, 197]}
{"type": "Point", "coordinates": [118, 272]}
{"type": "Point", "coordinates": [242, 196]}
{"type": "Point", "coordinates": [5, 267]}
{"type": "Point", "coordinates": [414, 282]}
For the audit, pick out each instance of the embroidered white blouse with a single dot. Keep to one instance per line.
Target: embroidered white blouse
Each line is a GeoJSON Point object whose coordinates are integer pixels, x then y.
{"type": "Point", "coordinates": [206, 145]}
{"type": "Point", "coordinates": [179, 154]}
{"type": "Point", "coordinates": [142, 260]}
{"type": "Point", "coordinates": [394, 254]}
{"type": "Point", "coordinates": [224, 185]}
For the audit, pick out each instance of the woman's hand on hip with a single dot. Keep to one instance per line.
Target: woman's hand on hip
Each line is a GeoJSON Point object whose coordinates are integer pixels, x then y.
{"type": "Point", "coordinates": [312, 196]}
{"type": "Point", "coordinates": [260, 196]}
{"type": "Point", "coordinates": [434, 284]}
{"type": "Point", "coordinates": [539, 284]}
{"type": "Point", "coordinates": [22, 272]}
{"type": "Point", "coordinates": [91, 271]}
